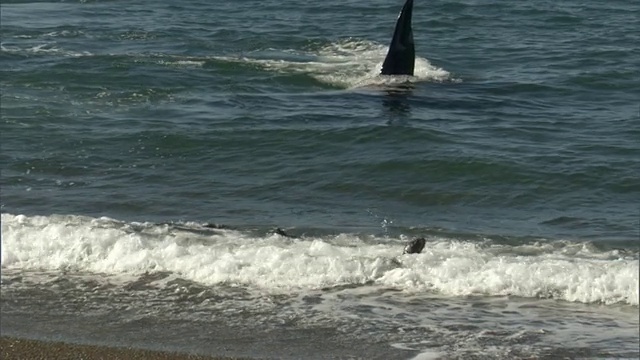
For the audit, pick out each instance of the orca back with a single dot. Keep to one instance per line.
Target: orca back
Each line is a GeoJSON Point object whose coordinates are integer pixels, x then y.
{"type": "Point", "coordinates": [401, 57]}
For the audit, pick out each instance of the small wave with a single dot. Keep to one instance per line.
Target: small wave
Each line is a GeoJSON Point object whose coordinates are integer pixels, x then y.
{"type": "Point", "coordinates": [183, 63]}
{"type": "Point", "coordinates": [278, 264]}
{"type": "Point", "coordinates": [43, 49]}
{"type": "Point", "coordinates": [64, 33]}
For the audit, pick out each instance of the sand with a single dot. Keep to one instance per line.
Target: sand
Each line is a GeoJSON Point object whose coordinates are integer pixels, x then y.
{"type": "Point", "coordinates": [14, 348]}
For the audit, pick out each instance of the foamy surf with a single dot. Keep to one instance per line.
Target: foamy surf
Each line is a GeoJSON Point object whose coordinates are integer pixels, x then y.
{"type": "Point", "coordinates": [275, 264]}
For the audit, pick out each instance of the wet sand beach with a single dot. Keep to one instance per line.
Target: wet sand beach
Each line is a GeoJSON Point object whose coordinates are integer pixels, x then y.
{"type": "Point", "coordinates": [15, 348]}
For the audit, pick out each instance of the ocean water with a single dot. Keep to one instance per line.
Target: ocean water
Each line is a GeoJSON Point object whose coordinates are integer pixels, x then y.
{"type": "Point", "coordinates": [130, 128]}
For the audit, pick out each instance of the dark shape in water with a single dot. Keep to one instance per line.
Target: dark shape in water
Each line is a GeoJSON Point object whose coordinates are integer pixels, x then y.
{"type": "Point", "coordinates": [401, 57]}
{"type": "Point", "coordinates": [283, 233]}
{"type": "Point", "coordinates": [415, 246]}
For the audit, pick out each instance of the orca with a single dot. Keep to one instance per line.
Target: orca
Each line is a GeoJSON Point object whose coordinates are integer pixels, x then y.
{"type": "Point", "coordinates": [401, 57]}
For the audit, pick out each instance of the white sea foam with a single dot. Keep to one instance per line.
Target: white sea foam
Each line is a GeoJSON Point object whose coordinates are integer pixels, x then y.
{"type": "Point", "coordinates": [277, 264]}
{"type": "Point", "coordinates": [349, 63]}
{"type": "Point", "coordinates": [362, 61]}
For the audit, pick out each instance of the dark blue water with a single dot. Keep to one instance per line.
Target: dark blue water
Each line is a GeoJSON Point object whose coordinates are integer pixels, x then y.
{"type": "Point", "coordinates": [521, 126]}
{"type": "Point", "coordinates": [263, 113]}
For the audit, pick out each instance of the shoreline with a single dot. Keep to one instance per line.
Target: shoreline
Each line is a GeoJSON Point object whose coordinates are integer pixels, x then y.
{"type": "Point", "coordinates": [21, 348]}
